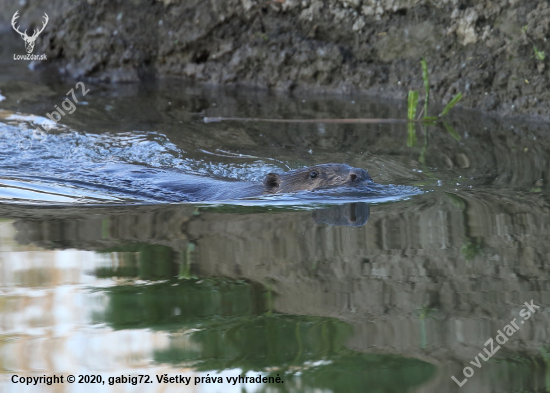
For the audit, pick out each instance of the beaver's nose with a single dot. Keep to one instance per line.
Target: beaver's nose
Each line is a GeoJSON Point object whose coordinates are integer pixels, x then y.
{"type": "Point", "coordinates": [357, 175]}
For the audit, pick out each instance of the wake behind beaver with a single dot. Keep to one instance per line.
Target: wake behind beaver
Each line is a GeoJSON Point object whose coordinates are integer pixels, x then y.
{"type": "Point", "coordinates": [146, 168]}
{"type": "Point", "coordinates": [128, 183]}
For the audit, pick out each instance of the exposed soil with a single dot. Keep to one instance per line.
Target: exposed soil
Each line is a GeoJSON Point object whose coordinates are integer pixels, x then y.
{"type": "Point", "coordinates": [494, 52]}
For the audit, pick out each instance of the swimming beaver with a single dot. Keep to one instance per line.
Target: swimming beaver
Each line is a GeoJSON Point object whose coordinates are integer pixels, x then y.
{"type": "Point", "coordinates": [314, 177]}
{"type": "Point", "coordinates": [194, 188]}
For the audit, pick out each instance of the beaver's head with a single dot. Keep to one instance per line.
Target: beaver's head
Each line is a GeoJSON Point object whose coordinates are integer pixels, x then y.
{"type": "Point", "coordinates": [314, 177]}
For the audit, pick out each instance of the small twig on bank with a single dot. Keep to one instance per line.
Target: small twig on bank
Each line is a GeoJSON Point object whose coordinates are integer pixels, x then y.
{"type": "Point", "coordinates": [337, 121]}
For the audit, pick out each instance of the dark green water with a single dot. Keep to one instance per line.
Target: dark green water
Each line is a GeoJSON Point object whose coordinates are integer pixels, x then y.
{"type": "Point", "coordinates": [395, 291]}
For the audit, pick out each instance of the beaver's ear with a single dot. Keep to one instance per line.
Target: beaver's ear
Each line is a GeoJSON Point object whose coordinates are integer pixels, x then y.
{"type": "Point", "coordinates": [272, 181]}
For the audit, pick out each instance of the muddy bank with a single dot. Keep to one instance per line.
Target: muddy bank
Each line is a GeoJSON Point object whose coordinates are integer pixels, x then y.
{"type": "Point", "coordinates": [486, 50]}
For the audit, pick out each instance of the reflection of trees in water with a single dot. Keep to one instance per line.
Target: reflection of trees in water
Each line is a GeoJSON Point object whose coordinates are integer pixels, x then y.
{"type": "Point", "coordinates": [313, 348]}
{"type": "Point", "coordinates": [146, 261]}
{"type": "Point", "coordinates": [181, 303]}
{"type": "Point", "coordinates": [220, 324]}
{"type": "Point", "coordinates": [472, 246]}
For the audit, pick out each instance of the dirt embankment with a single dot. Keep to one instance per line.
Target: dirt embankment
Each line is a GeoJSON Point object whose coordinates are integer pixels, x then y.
{"type": "Point", "coordinates": [494, 52]}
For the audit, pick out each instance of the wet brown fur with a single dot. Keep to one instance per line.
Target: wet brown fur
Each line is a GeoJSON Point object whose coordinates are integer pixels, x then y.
{"type": "Point", "coordinates": [315, 177]}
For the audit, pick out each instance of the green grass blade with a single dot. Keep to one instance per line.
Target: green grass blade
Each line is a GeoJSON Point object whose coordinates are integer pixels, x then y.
{"type": "Point", "coordinates": [451, 131]}
{"type": "Point", "coordinates": [422, 158]}
{"type": "Point", "coordinates": [539, 55]}
{"type": "Point", "coordinates": [411, 135]}
{"type": "Point", "coordinates": [456, 201]}
{"type": "Point", "coordinates": [429, 121]}
{"type": "Point", "coordinates": [426, 85]}
{"type": "Point", "coordinates": [451, 103]}
{"type": "Point", "coordinates": [412, 103]}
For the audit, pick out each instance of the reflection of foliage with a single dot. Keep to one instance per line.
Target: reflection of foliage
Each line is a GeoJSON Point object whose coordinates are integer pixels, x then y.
{"type": "Point", "coordinates": [472, 246]}
{"type": "Point", "coordinates": [411, 114]}
{"type": "Point", "coordinates": [422, 158]}
{"type": "Point", "coordinates": [451, 131]}
{"type": "Point", "coordinates": [221, 324]}
{"type": "Point", "coordinates": [269, 301]}
{"type": "Point", "coordinates": [185, 261]}
{"type": "Point", "coordinates": [546, 358]}
{"type": "Point", "coordinates": [545, 354]}
{"type": "Point", "coordinates": [169, 304]}
{"type": "Point", "coordinates": [259, 343]}
{"type": "Point", "coordinates": [471, 249]}
{"type": "Point", "coordinates": [425, 312]}
{"type": "Point", "coordinates": [456, 201]}
{"type": "Point", "coordinates": [146, 261]}
{"type": "Point", "coordinates": [352, 372]}
{"type": "Point", "coordinates": [523, 371]}
{"type": "Point", "coordinates": [311, 347]}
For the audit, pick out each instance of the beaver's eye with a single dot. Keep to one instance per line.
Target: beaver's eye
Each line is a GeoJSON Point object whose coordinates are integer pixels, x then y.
{"type": "Point", "coordinates": [313, 174]}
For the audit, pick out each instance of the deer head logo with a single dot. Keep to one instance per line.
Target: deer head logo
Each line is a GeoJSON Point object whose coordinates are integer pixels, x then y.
{"type": "Point", "coordinates": [29, 41]}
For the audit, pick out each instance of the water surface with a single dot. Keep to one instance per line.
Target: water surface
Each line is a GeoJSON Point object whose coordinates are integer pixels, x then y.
{"type": "Point", "coordinates": [395, 289]}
